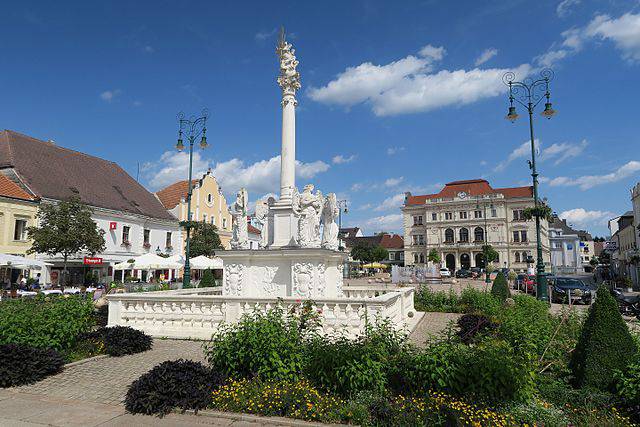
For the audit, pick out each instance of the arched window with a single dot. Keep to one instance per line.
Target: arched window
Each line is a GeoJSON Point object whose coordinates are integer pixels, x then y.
{"type": "Point", "coordinates": [517, 256]}
{"type": "Point", "coordinates": [478, 234]}
{"type": "Point", "coordinates": [448, 235]}
{"type": "Point", "coordinates": [421, 258]}
{"type": "Point", "coordinates": [525, 256]}
{"type": "Point", "coordinates": [210, 198]}
{"type": "Point", "coordinates": [464, 235]}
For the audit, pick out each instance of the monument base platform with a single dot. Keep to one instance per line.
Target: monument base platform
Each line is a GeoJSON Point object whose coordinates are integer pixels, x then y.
{"type": "Point", "coordinates": [306, 273]}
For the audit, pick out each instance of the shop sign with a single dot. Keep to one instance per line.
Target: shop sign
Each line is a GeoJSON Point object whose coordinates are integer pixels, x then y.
{"type": "Point", "coordinates": [113, 225]}
{"type": "Point", "coordinates": [92, 261]}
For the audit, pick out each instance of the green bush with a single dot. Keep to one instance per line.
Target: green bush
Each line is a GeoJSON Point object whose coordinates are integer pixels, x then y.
{"type": "Point", "coordinates": [207, 280]}
{"type": "Point", "coordinates": [265, 345]}
{"type": "Point", "coordinates": [500, 288]}
{"type": "Point", "coordinates": [628, 389]}
{"type": "Point", "coordinates": [45, 322]}
{"type": "Point", "coordinates": [605, 344]}
{"type": "Point", "coordinates": [436, 301]}
{"type": "Point", "coordinates": [475, 301]}
{"type": "Point", "coordinates": [182, 384]}
{"type": "Point", "coordinates": [22, 364]}
{"type": "Point", "coordinates": [474, 326]}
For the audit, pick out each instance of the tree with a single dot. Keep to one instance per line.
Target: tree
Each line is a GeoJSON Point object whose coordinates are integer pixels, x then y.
{"type": "Point", "coordinates": [490, 253]}
{"type": "Point", "coordinates": [605, 345]}
{"type": "Point", "coordinates": [433, 256]}
{"type": "Point", "coordinates": [500, 287]}
{"type": "Point", "coordinates": [204, 238]}
{"type": "Point", "coordinates": [379, 253]}
{"type": "Point", "coordinates": [593, 261]}
{"type": "Point", "coordinates": [361, 253]}
{"type": "Point", "coordinates": [65, 228]}
{"type": "Point", "coordinates": [207, 280]}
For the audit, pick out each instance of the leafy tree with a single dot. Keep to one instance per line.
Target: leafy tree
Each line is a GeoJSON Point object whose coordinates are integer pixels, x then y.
{"type": "Point", "coordinates": [500, 287]}
{"type": "Point", "coordinates": [207, 280]}
{"type": "Point", "coordinates": [433, 256]}
{"type": "Point", "coordinates": [593, 261]}
{"type": "Point", "coordinates": [490, 253]}
{"type": "Point", "coordinates": [204, 238]}
{"type": "Point", "coordinates": [65, 228]}
{"type": "Point", "coordinates": [543, 211]}
{"type": "Point", "coordinates": [379, 253]}
{"type": "Point", "coordinates": [605, 345]}
{"type": "Point", "coordinates": [361, 253]}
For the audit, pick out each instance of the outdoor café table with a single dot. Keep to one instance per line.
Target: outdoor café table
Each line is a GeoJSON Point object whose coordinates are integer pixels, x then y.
{"type": "Point", "coordinates": [72, 291]}
{"type": "Point", "coordinates": [52, 292]}
{"type": "Point", "coordinates": [27, 293]}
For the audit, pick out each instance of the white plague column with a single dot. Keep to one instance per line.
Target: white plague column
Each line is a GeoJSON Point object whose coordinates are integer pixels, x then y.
{"type": "Point", "coordinates": [289, 82]}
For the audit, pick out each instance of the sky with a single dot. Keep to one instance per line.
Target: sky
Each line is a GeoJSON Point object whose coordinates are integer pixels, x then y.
{"type": "Point", "coordinates": [395, 97]}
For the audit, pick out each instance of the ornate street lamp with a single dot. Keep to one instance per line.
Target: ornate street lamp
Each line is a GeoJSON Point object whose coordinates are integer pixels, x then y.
{"type": "Point", "coordinates": [192, 128]}
{"type": "Point", "coordinates": [529, 93]}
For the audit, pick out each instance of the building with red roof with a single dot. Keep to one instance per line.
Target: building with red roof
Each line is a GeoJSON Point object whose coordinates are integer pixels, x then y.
{"type": "Point", "coordinates": [464, 216]}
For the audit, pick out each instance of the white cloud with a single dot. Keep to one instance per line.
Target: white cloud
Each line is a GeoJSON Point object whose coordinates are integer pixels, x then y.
{"type": "Point", "coordinates": [340, 159]}
{"type": "Point", "coordinates": [110, 95]}
{"type": "Point", "coordinates": [408, 85]}
{"type": "Point", "coordinates": [357, 186]}
{"type": "Point", "coordinates": [486, 55]}
{"type": "Point", "coordinates": [565, 7]}
{"type": "Point", "coordinates": [520, 152]}
{"type": "Point", "coordinates": [391, 203]}
{"type": "Point", "coordinates": [558, 152]}
{"type": "Point", "coordinates": [582, 217]}
{"type": "Point", "coordinates": [624, 32]}
{"type": "Point", "coordinates": [394, 150]}
{"type": "Point", "coordinates": [148, 49]}
{"type": "Point", "coordinates": [391, 222]}
{"type": "Point", "coordinates": [365, 207]}
{"type": "Point", "coordinates": [263, 35]}
{"type": "Point", "coordinates": [589, 181]}
{"type": "Point", "coordinates": [258, 178]}
{"type": "Point", "coordinates": [393, 182]}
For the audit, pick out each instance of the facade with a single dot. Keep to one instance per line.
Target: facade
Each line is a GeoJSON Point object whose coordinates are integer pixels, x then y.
{"type": "Point", "coordinates": [625, 259]}
{"type": "Point", "coordinates": [255, 236]}
{"type": "Point", "coordinates": [133, 219]}
{"type": "Point", "coordinates": [464, 216]}
{"type": "Point", "coordinates": [208, 204]}
{"type": "Point", "coordinates": [571, 250]}
{"type": "Point", "coordinates": [393, 243]}
{"type": "Point", "coordinates": [635, 202]}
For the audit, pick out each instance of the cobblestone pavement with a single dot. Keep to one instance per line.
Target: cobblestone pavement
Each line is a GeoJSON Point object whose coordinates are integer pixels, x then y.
{"type": "Point", "coordinates": [432, 324]}
{"type": "Point", "coordinates": [105, 380]}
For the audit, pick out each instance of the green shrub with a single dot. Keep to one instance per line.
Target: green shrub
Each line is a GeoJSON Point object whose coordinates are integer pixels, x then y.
{"type": "Point", "coordinates": [22, 364]}
{"type": "Point", "coordinates": [475, 301]}
{"type": "Point", "coordinates": [628, 389]}
{"type": "Point", "coordinates": [500, 288]}
{"type": "Point", "coordinates": [121, 340]}
{"type": "Point", "coordinates": [527, 325]}
{"type": "Point", "coordinates": [436, 301]}
{"type": "Point", "coordinates": [182, 384]}
{"type": "Point", "coordinates": [45, 322]}
{"type": "Point", "coordinates": [267, 345]}
{"type": "Point", "coordinates": [207, 280]}
{"type": "Point", "coordinates": [473, 326]}
{"type": "Point", "coordinates": [605, 344]}
{"type": "Point", "coordinates": [536, 413]}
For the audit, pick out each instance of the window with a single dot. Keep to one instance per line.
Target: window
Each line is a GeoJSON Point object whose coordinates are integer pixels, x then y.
{"type": "Point", "coordinates": [494, 212]}
{"type": "Point", "coordinates": [421, 258]}
{"type": "Point", "coordinates": [146, 234]}
{"type": "Point", "coordinates": [448, 215]}
{"type": "Point", "coordinates": [520, 236]}
{"type": "Point", "coordinates": [464, 235]}
{"type": "Point", "coordinates": [516, 236]}
{"type": "Point", "coordinates": [20, 230]}
{"type": "Point", "coordinates": [518, 215]}
{"type": "Point", "coordinates": [477, 214]}
{"type": "Point", "coordinates": [523, 236]}
{"type": "Point", "coordinates": [392, 256]}
{"type": "Point", "coordinates": [167, 242]}
{"type": "Point", "coordinates": [416, 258]}
{"type": "Point", "coordinates": [417, 220]}
{"type": "Point", "coordinates": [434, 216]}
{"type": "Point", "coordinates": [418, 239]}
{"type": "Point", "coordinates": [213, 220]}
{"type": "Point", "coordinates": [463, 215]}
{"type": "Point", "coordinates": [209, 198]}
{"type": "Point", "coordinates": [125, 234]}
{"type": "Point", "coordinates": [401, 256]}
{"type": "Point", "coordinates": [448, 235]}
{"type": "Point", "coordinates": [204, 217]}
{"type": "Point", "coordinates": [478, 234]}
{"type": "Point", "coordinates": [224, 223]}
{"type": "Point", "coordinates": [525, 256]}
{"type": "Point", "coordinates": [517, 256]}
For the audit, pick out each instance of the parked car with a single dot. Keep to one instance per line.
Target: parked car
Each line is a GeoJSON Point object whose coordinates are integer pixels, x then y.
{"type": "Point", "coordinates": [476, 271]}
{"type": "Point", "coordinates": [463, 273]}
{"type": "Point", "coordinates": [531, 283]}
{"type": "Point", "coordinates": [505, 271]}
{"type": "Point", "coordinates": [570, 288]}
{"type": "Point", "coordinates": [444, 272]}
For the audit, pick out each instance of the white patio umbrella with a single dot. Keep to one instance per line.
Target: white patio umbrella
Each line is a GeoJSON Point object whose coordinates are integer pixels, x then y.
{"type": "Point", "coordinates": [154, 262]}
{"type": "Point", "coordinates": [204, 263]}
{"type": "Point", "coordinates": [21, 262]}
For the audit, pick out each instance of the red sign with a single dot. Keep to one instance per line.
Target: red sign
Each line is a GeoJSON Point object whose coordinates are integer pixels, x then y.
{"type": "Point", "coordinates": [92, 261]}
{"type": "Point", "coordinates": [113, 225]}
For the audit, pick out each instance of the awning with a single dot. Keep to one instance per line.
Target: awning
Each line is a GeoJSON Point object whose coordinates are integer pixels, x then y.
{"type": "Point", "coordinates": [205, 263]}
{"type": "Point", "coordinates": [148, 262]}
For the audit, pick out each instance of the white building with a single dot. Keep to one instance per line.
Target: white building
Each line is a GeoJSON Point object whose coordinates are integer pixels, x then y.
{"type": "Point", "coordinates": [134, 220]}
{"type": "Point", "coordinates": [571, 250]}
{"type": "Point", "coordinates": [464, 216]}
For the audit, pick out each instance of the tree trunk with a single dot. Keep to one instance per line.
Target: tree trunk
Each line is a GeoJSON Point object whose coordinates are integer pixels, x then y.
{"type": "Point", "coordinates": [64, 270]}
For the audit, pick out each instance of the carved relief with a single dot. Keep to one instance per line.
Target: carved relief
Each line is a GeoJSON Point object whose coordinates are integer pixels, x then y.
{"type": "Point", "coordinates": [233, 279]}
{"type": "Point", "coordinates": [268, 285]}
{"type": "Point", "coordinates": [302, 279]}
{"type": "Point", "coordinates": [320, 281]}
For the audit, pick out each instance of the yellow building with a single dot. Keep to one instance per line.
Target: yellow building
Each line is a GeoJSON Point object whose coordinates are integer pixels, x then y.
{"type": "Point", "coordinates": [18, 211]}
{"type": "Point", "coordinates": [208, 204]}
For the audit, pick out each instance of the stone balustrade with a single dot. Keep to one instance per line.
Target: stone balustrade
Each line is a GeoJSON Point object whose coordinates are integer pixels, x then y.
{"type": "Point", "coordinates": [198, 313]}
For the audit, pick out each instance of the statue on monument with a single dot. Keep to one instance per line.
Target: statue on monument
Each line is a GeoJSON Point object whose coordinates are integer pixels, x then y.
{"type": "Point", "coordinates": [289, 78]}
{"type": "Point", "coordinates": [330, 230]}
{"type": "Point", "coordinates": [240, 239]}
{"type": "Point", "coordinates": [310, 208]}
{"type": "Point", "coordinates": [262, 213]}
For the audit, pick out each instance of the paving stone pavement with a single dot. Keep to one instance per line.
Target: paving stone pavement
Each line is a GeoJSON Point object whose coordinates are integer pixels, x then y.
{"type": "Point", "coordinates": [106, 380]}
{"type": "Point", "coordinates": [432, 324]}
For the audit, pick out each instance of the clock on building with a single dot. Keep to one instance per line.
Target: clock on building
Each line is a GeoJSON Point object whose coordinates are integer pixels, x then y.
{"type": "Point", "coordinates": [462, 194]}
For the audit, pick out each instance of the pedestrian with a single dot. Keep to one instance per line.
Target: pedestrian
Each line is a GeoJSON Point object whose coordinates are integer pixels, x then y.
{"type": "Point", "coordinates": [36, 282]}
{"type": "Point", "coordinates": [22, 282]}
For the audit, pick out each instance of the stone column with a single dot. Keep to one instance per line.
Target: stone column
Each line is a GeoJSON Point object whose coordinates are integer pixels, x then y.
{"type": "Point", "coordinates": [288, 154]}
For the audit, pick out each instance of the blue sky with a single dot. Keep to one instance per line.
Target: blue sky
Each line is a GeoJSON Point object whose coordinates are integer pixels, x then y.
{"type": "Point", "coordinates": [396, 96]}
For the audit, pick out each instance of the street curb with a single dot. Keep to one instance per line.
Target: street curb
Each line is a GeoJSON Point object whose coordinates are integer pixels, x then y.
{"type": "Point", "coordinates": [83, 361]}
{"type": "Point", "coordinates": [277, 421]}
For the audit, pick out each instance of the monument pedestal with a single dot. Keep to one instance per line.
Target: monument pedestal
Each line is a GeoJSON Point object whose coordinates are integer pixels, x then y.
{"type": "Point", "coordinates": [305, 273]}
{"type": "Point", "coordinates": [283, 225]}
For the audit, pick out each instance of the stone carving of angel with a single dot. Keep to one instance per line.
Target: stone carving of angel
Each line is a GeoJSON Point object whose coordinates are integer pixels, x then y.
{"type": "Point", "coordinates": [310, 208]}
{"type": "Point", "coordinates": [240, 239]}
{"type": "Point", "coordinates": [330, 230]}
{"type": "Point", "coordinates": [262, 211]}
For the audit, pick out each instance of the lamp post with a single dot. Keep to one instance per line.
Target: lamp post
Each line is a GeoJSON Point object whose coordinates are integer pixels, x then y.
{"type": "Point", "coordinates": [342, 206]}
{"type": "Point", "coordinates": [487, 278]}
{"type": "Point", "coordinates": [192, 128]}
{"type": "Point", "coordinates": [529, 93]}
